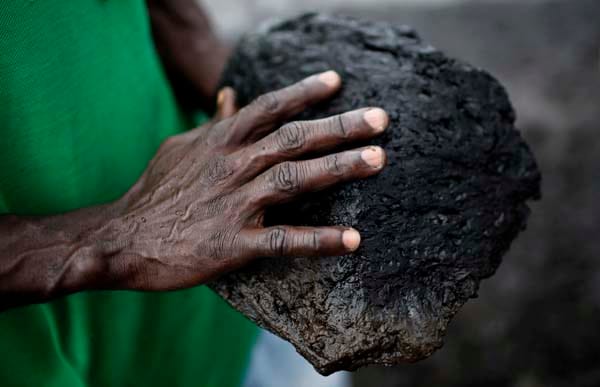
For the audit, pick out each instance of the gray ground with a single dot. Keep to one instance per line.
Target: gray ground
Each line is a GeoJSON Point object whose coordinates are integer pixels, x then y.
{"type": "Point", "coordinates": [233, 17]}
{"type": "Point", "coordinates": [536, 321]}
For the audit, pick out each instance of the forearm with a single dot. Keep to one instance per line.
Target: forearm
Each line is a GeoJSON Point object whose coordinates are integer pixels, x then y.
{"type": "Point", "coordinates": [42, 258]}
{"type": "Point", "coordinates": [197, 212]}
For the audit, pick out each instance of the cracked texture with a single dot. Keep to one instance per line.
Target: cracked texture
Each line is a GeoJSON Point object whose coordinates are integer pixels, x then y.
{"type": "Point", "coordinates": [434, 223]}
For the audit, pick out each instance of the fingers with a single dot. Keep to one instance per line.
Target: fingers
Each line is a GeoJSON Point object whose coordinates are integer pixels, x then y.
{"type": "Point", "coordinates": [297, 138]}
{"type": "Point", "coordinates": [264, 113]}
{"type": "Point", "coordinates": [287, 180]}
{"type": "Point", "coordinates": [288, 241]}
{"type": "Point", "coordinates": [226, 106]}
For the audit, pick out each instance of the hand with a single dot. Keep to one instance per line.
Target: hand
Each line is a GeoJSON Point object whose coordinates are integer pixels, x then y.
{"type": "Point", "coordinates": [197, 212]}
{"type": "Point", "coordinates": [192, 53]}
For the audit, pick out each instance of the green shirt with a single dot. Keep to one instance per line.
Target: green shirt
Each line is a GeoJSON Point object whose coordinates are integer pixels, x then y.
{"type": "Point", "coordinates": [84, 104]}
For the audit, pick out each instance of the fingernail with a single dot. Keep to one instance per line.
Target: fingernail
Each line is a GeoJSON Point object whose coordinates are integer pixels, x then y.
{"type": "Point", "coordinates": [351, 239]}
{"type": "Point", "coordinates": [221, 97]}
{"type": "Point", "coordinates": [377, 119]}
{"type": "Point", "coordinates": [330, 78]}
{"type": "Point", "coordinates": [373, 156]}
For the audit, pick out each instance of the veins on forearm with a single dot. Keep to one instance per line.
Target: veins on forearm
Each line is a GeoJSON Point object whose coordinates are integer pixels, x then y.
{"type": "Point", "coordinates": [42, 258]}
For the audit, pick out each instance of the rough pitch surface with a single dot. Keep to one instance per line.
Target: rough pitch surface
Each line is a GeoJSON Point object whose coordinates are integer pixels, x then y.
{"type": "Point", "coordinates": [434, 223]}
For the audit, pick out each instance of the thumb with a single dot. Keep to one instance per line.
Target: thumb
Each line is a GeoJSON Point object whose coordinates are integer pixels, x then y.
{"type": "Point", "coordinates": [226, 106]}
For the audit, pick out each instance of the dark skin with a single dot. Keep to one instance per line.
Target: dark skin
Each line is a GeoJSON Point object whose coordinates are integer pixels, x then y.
{"type": "Point", "coordinates": [192, 54]}
{"type": "Point", "coordinates": [197, 211]}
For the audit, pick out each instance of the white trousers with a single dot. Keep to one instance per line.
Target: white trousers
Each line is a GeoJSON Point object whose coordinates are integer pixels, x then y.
{"type": "Point", "coordinates": [275, 363]}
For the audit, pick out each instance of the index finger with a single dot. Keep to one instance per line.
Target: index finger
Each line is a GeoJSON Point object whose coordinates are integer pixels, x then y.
{"type": "Point", "coordinates": [268, 110]}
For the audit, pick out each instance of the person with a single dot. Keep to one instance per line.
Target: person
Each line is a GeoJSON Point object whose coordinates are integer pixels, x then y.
{"type": "Point", "coordinates": [114, 213]}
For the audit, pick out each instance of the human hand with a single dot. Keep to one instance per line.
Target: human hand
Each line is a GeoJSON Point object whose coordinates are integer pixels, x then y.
{"type": "Point", "coordinates": [197, 212]}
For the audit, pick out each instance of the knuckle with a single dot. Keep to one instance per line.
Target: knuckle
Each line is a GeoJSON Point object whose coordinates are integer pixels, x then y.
{"type": "Point", "coordinates": [334, 166]}
{"type": "Point", "coordinates": [250, 163]}
{"type": "Point", "coordinates": [285, 177]}
{"type": "Point", "coordinates": [235, 162]}
{"type": "Point", "coordinates": [218, 245]}
{"type": "Point", "coordinates": [219, 134]}
{"type": "Point", "coordinates": [268, 103]}
{"type": "Point", "coordinates": [339, 127]}
{"type": "Point", "coordinates": [216, 171]}
{"type": "Point", "coordinates": [276, 240]}
{"type": "Point", "coordinates": [291, 136]}
{"type": "Point", "coordinates": [216, 206]}
{"type": "Point", "coordinates": [168, 143]}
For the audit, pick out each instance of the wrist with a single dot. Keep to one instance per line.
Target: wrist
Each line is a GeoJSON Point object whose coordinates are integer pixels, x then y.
{"type": "Point", "coordinates": [42, 258]}
{"type": "Point", "coordinates": [116, 242]}
{"type": "Point", "coordinates": [99, 250]}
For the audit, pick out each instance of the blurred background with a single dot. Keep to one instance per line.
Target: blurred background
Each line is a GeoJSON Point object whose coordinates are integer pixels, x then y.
{"type": "Point", "coordinates": [537, 321]}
